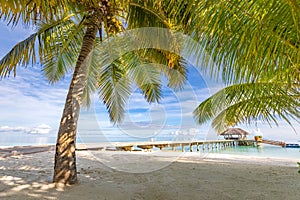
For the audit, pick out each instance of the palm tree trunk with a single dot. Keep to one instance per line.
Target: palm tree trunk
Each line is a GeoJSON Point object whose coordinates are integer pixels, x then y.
{"type": "Point", "coordinates": [65, 160]}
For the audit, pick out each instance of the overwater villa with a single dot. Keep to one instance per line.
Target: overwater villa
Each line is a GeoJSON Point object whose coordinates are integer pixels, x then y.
{"type": "Point", "coordinates": [234, 134]}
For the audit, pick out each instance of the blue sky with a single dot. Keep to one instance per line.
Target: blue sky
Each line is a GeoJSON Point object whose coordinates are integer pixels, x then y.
{"type": "Point", "coordinates": [28, 102]}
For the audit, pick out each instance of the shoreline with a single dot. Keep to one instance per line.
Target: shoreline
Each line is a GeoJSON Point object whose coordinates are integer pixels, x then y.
{"type": "Point", "coordinates": [33, 149]}
{"type": "Point", "coordinates": [151, 175]}
{"type": "Point", "coordinates": [24, 150]}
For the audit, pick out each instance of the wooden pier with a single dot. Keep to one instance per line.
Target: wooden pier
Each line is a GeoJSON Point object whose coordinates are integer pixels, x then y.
{"type": "Point", "coordinates": [272, 142]}
{"type": "Point", "coordinates": [204, 145]}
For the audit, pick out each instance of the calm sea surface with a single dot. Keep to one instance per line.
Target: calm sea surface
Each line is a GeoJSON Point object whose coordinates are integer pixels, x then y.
{"type": "Point", "coordinates": [263, 151]}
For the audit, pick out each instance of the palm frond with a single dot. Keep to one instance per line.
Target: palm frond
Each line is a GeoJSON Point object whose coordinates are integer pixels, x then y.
{"type": "Point", "coordinates": [30, 12]}
{"type": "Point", "coordinates": [146, 14]}
{"type": "Point", "coordinates": [21, 54]}
{"type": "Point", "coordinates": [247, 39]}
{"type": "Point", "coordinates": [243, 103]}
{"type": "Point", "coordinates": [146, 76]}
{"type": "Point", "coordinates": [58, 45]}
{"type": "Point", "coordinates": [144, 66]}
{"type": "Point", "coordinates": [59, 49]}
{"type": "Point", "coordinates": [114, 90]}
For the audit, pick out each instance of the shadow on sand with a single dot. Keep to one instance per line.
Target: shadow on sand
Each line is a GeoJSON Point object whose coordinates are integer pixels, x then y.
{"type": "Point", "coordinates": [29, 177]}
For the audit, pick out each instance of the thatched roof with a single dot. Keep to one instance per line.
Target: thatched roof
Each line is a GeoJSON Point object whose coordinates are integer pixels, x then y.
{"type": "Point", "coordinates": [234, 131]}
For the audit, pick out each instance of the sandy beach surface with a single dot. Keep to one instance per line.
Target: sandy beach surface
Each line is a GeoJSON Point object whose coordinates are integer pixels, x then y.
{"type": "Point", "coordinates": [150, 175]}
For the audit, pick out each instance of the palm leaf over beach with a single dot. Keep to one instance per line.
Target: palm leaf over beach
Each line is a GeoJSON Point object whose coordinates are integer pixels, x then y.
{"type": "Point", "coordinates": [243, 103]}
{"type": "Point", "coordinates": [248, 40]}
{"type": "Point", "coordinates": [254, 46]}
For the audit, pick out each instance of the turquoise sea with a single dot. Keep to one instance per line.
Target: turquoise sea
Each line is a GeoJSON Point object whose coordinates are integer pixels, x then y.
{"type": "Point", "coordinates": [263, 151]}
{"type": "Point", "coordinates": [20, 138]}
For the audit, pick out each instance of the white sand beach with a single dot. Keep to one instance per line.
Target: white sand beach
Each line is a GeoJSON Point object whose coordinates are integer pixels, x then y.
{"type": "Point", "coordinates": [151, 175]}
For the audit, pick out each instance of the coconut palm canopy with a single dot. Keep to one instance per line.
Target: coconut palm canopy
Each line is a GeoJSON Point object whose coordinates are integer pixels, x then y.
{"type": "Point", "coordinates": [234, 131]}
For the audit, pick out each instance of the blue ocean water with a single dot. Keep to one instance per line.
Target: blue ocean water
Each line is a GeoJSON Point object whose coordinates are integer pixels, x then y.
{"type": "Point", "coordinates": [20, 138]}
{"type": "Point", "coordinates": [265, 150]}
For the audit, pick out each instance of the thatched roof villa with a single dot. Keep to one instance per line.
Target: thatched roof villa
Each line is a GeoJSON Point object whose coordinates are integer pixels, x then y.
{"type": "Point", "coordinates": [234, 134]}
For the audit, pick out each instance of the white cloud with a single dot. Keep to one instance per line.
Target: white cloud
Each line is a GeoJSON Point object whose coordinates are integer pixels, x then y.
{"type": "Point", "coordinates": [13, 129]}
{"type": "Point", "coordinates": [40, 129]}
{"type": "Point", "coordinates": [28, 99]}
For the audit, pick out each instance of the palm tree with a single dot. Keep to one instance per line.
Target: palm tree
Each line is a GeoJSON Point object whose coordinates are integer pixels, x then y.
{"type": "Point", "coordinates": [66, 36]}
{"type": "Point", "coordinates": [245, 41]}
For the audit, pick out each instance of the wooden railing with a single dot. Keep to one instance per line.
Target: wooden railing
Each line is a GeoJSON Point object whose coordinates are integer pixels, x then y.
{"type": "Point", "coordinates": [272, 142]}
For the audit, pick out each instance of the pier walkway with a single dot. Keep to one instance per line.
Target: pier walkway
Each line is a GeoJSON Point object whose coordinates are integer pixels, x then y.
{"type": "Point", "coordinates": [173, 145]}
{"type": "Point", "coordinates": [272, 142]}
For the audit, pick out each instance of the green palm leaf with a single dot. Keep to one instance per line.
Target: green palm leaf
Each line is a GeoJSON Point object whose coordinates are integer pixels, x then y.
{"type": "Point", "coordinates": [56, 53]}
{"type": "Point", "coordinates": [247, 39]}
{"type": "Point", "coordinates": [21, 54]}
{"type": "Point", "coordinates": [30, 12]}
{"type": "Point", "coordinates": [242, 103]}
{"type": "Point", "coordinates": [59, 57]}
{"type": "Point", "coordinates": [114, 90]}
{"type": "Point", "coordinates": [146, 76]}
